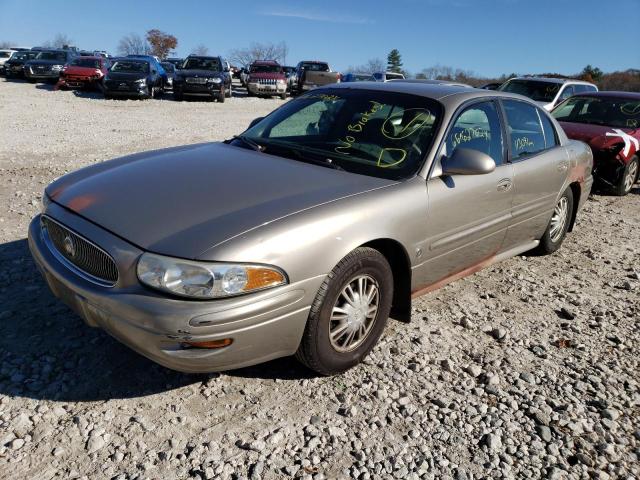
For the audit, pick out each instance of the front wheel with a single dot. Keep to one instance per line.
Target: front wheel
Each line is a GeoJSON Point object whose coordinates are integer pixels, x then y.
{"type": "Point", "coordinates": [348, 314]}
{"type": "Point", "coordinates": [628, 178]}
{"type": "Point", "coordinates": [558, 225]}
{"type": "Point", "coordinates": [221, 97]}
{"type": "Point", "coordinates": [228, 93]}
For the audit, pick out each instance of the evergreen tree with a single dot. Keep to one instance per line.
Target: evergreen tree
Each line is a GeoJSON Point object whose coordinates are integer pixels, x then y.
{"type": "Point", "coordinates": [394, 61]}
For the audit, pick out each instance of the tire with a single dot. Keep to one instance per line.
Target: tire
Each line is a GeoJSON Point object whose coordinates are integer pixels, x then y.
{"type": "Point", "coordinates": [629, 176]}
{"type": "Point", "coordinates": [558, 225]}
{"type": "Point", "coordinates": [221, 97]}
{"type": "Point", "coordinates": [283, 96]}
{"type": "Point", "coordinates": [177, 97]}
{"type": "Point", "coordinates": [316, 350]}
{"type": "Point", "coordinates": [228, 94]}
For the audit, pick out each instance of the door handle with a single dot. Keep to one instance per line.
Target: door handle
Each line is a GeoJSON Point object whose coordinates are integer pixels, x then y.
{"type": "Point", "coordinates": [563, 166]}
{"type": "Point", "coordinates": [504, 185]}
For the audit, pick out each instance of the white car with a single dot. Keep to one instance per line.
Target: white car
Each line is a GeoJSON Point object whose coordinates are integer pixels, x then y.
{"type": "Point", "coordinates": [5, 54]}
{"type": "Point", "coordinates": [547, 92]}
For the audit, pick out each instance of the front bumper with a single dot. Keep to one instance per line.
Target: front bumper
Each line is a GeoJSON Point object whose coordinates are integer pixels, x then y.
{"type": "Point", "coordinates": [267, 89]}
{"type": "Point", "coordinates": [204, 89]}
{"type": "Point", "coordinates": [263, 326]}
{"type": "Point", "coordinates": [129, 92]}
{"type": "Point", "coordinates": [79, 81]}
{"type": "Point", "coordinates": [54, 75]}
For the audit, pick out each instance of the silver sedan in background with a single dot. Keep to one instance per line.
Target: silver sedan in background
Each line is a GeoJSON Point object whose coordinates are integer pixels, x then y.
{"type": "Point", "coordinates": [305, 233]}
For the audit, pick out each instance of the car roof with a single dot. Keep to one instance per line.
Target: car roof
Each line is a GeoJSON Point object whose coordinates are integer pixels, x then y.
{"type": "Point", "coordinates": [552, 80]}
{"type": "Point", "coordinates": [198, 56]}
{"type": "Point", "coordinates": [610, 94]}
{"type": "Point", "coordinates": [452, 95]}
{"type": "Point", "coordinates": [90, 57]}
{"type": "Point", "coordinates": [265, 62]}
{"type": "Point", "coordinates": [430, 82]}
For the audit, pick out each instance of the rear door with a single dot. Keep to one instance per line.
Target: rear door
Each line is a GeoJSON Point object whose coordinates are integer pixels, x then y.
{"type": "Point", "coordinates": [467, 214]}
{"type": "Point", "coordinates": [540, 167]}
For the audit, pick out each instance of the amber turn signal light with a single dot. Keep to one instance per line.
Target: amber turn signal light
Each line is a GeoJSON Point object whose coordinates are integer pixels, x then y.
{"type": "Point", "coordinates": [211, 344]}
{"type": "Point", "coordinates": [258, 278]}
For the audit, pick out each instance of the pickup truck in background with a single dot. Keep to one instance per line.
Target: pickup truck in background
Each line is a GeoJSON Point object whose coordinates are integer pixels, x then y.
{"type": "Point", "coordinates": [311, 74]}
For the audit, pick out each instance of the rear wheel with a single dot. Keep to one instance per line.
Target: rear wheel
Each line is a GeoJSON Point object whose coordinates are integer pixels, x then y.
{"type": "Point", "coordinates": [558, 225]}
{"type": "Point", "coordinates": [628, 177]}
{"type": "Point", "coordinates": [348, 314]}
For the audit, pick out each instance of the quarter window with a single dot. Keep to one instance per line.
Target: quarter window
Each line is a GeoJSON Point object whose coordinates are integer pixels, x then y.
{"type": "Point", "coordinates": [478, 128]}
{"type": "Point", "coordinates": [550, 136]}
{"type": "Point", "coordinates": [527, 136]}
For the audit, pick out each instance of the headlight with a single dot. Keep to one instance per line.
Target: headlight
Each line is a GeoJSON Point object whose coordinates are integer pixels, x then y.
{"type": "Point", "coordinates": [57, 67]}
{"type": "Point", "coordinates": [215, 80]}
{"type": "Point", "coordinates": [142, 82]}
{"type": "Point", "coordinates": [280, 80]}
{"type": "Point", "coordinates": [44, 202]}
{"type": "Point", "coordinates": [206, 280]}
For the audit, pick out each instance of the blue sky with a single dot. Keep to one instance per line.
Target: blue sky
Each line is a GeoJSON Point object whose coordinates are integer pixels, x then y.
{"type": "Point", "coordinates": [490, 37]}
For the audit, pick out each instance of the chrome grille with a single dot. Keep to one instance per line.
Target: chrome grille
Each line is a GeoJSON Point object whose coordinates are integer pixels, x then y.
{"type": "Point", "coordinates": [267, 81]}
{"type": "Point", "coordinates": [79, 252]}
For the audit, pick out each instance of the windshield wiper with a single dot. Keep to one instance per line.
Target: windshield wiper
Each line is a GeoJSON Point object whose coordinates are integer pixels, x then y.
{"type": "Point", "coordinates": [247, 141]}
{"type": "Point", "coordinates": [308, 157]}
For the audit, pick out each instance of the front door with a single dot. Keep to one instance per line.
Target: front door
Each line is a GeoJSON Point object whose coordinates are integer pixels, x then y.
{"type": "Point", "coordinates": [467, 214]}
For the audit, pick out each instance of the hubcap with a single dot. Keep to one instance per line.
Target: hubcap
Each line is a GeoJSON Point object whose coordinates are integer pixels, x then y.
{"type": "Point", "coordinates": [354, 313]}
{"type": "Point", "coordinates": [630, 178]}
{"type": "Point", "coordinates": [559, 219]}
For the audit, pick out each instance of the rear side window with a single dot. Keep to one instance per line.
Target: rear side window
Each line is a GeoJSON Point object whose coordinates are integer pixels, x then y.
{"type": "Point", "coordinates": [478, 128]}
{"type": "Point", "coordinates": [527, 136]}
{"type": "Point", "coordinates": [550, 135]}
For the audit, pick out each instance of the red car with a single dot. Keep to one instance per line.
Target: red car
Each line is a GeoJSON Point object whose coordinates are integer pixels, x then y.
{"type": "Point", "coordinates": [610, 123]}
{"type": "Point", "coordinates": [83, 72]}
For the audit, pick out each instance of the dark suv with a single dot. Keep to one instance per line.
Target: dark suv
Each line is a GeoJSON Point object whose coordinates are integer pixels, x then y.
{"type": "Point", "coordinates": [48, 64]}
{"type": "Point", "coordinates": [204, 76]}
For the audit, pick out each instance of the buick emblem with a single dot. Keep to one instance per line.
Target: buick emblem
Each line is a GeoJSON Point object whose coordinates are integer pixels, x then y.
{"type": "Point", "coordinates": [69, 246]}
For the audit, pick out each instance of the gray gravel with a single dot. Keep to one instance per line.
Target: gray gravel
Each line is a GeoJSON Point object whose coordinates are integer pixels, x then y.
{"type": "Point", "coordinates": [526, 370]}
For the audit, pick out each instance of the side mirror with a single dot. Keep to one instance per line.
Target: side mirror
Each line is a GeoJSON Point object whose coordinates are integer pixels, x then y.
{"type": "Point", "coordinates": [466, 161]}
{"type": "Point", "coordinates": [255, 121]}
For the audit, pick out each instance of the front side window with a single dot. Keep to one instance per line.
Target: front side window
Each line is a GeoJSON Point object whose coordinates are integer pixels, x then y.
{"type": "Point", "coordinates": [383, 134]}
{"type": "Point", "coordinates": [477, 128]}
{"type": "Point", "coordinates": [537, 90]}
{"type": "Point", "coordinates": [527, 136]}
{"type": "Point", "coordinates": [567, 92]}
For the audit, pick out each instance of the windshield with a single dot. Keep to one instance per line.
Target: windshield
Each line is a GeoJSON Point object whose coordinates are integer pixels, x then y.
{"type": "Point", "coordinates": [5, 54]}
{"type": "Point", "coordinates": [129, 66]}
{"type": "Point", "coordinates": [536, 90]}
{"type": "Point", "coordinates": [266, 69]}
{"type": "Point", "coordinates": [316, 67]}
{"type": "Point", "coordinates": [382, 134]}
{"type": "Point", "coordinates": [212, 64]}
{"type": "Point", "coordinates": [169, 67]}
{"type": "Point", "coordinates": [60, 56]}
{"type": "Point", "coordinates": [612, 112]}
{"type": "Point", "coordinates": [23, 55]}
{"type": "Point", "coordinates": [394, 76]}
{"type": "Point", "coordinates": [86, 62]}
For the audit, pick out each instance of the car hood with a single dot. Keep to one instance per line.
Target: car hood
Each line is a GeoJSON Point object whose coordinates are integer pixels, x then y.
{"type": "Point", "coordinates": [125, 76]}
{"type": "Point", "coordinates": [45, 62]}
{"type": "Point", "coordinates": [597, 136]}
{"type": "Point", "coordinates": [74, 70]}
{"type": "Point", "coordinates": [198, 73]}
{"type": "Point", "coordinates": [183, 201]}
{"type": "Point", "coordinates": [267, 76]}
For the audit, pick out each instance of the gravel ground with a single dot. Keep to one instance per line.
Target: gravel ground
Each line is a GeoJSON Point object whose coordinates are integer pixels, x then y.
{"type": "Point", "coordinates": [526, 370]}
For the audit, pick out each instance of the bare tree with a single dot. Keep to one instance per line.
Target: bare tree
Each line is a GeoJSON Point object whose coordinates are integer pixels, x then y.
{"type": "Point", "coordinates": [7, 44]}
{"type": "Point", "coordinates": [260, 51]}
{"type": "Point", "coordinates": [133, 44]}
{"type": "Point", "coordinates": [200, 50]}
{"type": "Point", "coordinates": [373, 65]}
{"type": "Point", "coordinates": [59, 41]}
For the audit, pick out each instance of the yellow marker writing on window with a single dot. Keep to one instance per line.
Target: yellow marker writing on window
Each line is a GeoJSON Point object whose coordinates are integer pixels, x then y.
{"type": "Point", "coordinates": [422, 116]}
{"type": "Point", "coordinates": [389, 157]}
